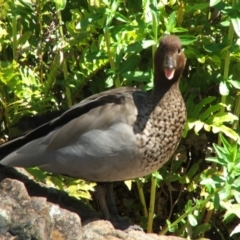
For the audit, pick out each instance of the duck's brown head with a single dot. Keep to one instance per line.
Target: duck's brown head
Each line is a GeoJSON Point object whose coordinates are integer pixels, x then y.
{"type": "Point", "coordinates": [169, 59]}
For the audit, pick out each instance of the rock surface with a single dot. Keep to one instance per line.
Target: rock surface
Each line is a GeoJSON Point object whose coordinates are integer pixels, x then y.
{"type": "Point", "coordinates": [30, 211]}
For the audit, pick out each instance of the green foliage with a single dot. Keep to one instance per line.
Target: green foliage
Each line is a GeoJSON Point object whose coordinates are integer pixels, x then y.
{"type": "Point", "coordinates": [225, 182]}
{"type": "Point", "coordinates": [55, 53]}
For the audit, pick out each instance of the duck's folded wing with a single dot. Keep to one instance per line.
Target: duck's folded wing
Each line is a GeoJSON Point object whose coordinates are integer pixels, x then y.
{"type": "Point", "coordinates": [109, 154]}
{"type": "Point", "coordinates": [114, 96]}
{"type": "Point", "coordinates": [99, 145]}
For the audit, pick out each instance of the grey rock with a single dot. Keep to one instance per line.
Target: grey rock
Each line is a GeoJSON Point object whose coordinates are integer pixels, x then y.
{"type": "Point", "coordinates": [25, 217]}
{"type": "Point", "coordinates": [31, 211]}
{"type": "Point", "coordinates": [104, 230]}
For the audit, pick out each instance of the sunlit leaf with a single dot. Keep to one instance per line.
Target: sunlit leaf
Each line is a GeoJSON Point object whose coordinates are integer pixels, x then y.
{"type": "Point", "coordinates": [214, 2]}
{"type": "Point", "coordinates": [235, 230]}
{"type": "Point", "coordinates": [236, 25]}
{"type": "Point", "coordinates": [60, 4]}
{"type": "Point", "coordinates": [223, 89]}
{"type": "Point", "coordinates": [228, 132]}
{"type": "Point", "coordinates": [24, 37]}
{"type": "Point", "coordinates": [210, 110]}
{"type": "Point", "coordinates": [179, 29]}
{"type": "Point", "coordinates": [187, 39]}
{"type": "Point", "coordinates": [170, 24]}
{"type": "Point", "coordinates": [235, 83]}
{"type": "Point", "coordinates": [198, 126]}
{"type": "Point", "coordinates": [232, 209]}
{"type": "Point", "coordinates": [192, 220]}
{"type": "Point", "coordinates": [128, 183]}
{"type": "Point", "coordinates": [221, 117]}
{"type": "Point", "coordinates": [137, 76]}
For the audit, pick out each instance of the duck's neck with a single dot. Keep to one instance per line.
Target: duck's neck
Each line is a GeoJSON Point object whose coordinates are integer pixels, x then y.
{"type": "Point", "coordinates": [163, 85]}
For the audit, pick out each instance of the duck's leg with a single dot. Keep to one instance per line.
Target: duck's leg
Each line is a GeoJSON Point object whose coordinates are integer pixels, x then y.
{"type": "Point", "coordinates": [111, 200]}
{"type": "Point", "coordinates": [108, 206]}
{"type": "Point", "coordinates": [101, 197]}
{"type": "Point", "coordinates": [106, 200]}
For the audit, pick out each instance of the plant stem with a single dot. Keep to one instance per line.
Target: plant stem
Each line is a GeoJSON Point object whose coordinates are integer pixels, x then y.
{"type": "Point", "coordinates": [142, 198]}
{"type": "Point", "coordinates": [65, 71]}
{"type": "Point", "coordinates": [39, 13]}
{"type": "Point", "coordinates": [152, 203]}
{"type": "Point", "coordinates": [153, 179]}
{"type": "Point", "coordinates": [227, 63]}
{"type": "Point", "coordinates": [109, 18]}
{"type": "Point", "coordinates": [110, 57]}
{"type": "Point", "coordinates": [14, 44]}
{"type": "Point", "coordinates": [236, 112]}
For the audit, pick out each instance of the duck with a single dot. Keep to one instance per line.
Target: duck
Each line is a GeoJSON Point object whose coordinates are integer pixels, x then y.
{"type": "Point", "coordinates": [116, 135]}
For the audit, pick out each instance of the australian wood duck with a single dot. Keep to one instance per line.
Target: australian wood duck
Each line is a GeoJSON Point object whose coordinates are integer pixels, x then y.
{"type": "Point", "coordinates": [115, 135]}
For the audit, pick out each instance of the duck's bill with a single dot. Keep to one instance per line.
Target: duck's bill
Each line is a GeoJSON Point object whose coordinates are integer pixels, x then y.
{"type": "Point", "coordinates": [169, 73]}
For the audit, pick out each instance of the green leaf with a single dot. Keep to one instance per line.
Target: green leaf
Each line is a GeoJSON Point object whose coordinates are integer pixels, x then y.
{"type": "Point", "coordinates": [137, 76]}
{"type": "Point", "coordinates": [129, 64]}
{"type": "Point", "coordinates": [235, 230]}
{"type": "Point", "coordinates": [171, 23]}
{"type": "Point", "coordinates": [225, 23]}
{"type": "Point", "coordinates": [179, 29]}
{"type": "Point", "coordinates": [24, 37]}
{"type": "Point", "coordinates": [213, 180]}
{"type": "Point", "coordinates": [217, 160]}
{"type": "Point", "coordinates": [192, 171]}
{"type": "Point", "coordinates": [200, 229]}
{"type": "Point", "coordinates": [139, 46]}
{"type": "Point", "coordinates": [222, 153]}
{"type": "Point", "coordinates": [38, 174]}
{"type": "Point", "coordinates": [172, 228]}
{"type": "Point", "coordinates": [216, 201]}
{"type": "Point", "coordinates": [128, 183]}
{"type": "Point", "coordinates": [225, 143]}
{"type": "Point", "coordinates": [221, 117]}
{"type": "Point", "coordinates": [109, 82]}
{"type": "Point", "coordinates": [225, 193]}
{"type": "Point", "coordinates": [60, 4]}
{"type": "Point", "coordinates": [214, 47]}
{"type": "Point", "coordinates": [210, 111]}
{"type": "Point", "coordinates": [199, 106]}
{"type": "Point", "coordinates": [207, 127]}
{"type": "Point", "coordinates": [236, 195]}
{"type": "Point", "coordinates": [236, 25]}
{"type": "Point", "coordinates": [90, 20]}
{"type": "Point", "coordinates": [228, 132]}
{"type": "Point", "coordinates": [235, 83]}
{"type": "Point", "coordinates": [196, 6]}
{"type": "Point", "coordinates": [214, 2]}
{"type": "Point", "coordinates": [120, 17]}
{"type": "Point", "coordinates": [232, 209]}
{"type": "Point", "coordinates": [223, 89]}
{"type": "Point", "coordinates": [187, 39]}
{"type": "Point", "coordinates": [192, 220]}
{"type": "Point", "coordinates": [147, 43]}
{"type": "Point", "coordinates": [198, 126]}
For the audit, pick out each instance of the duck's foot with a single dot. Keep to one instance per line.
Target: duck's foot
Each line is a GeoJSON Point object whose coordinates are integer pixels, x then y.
{"type": "Point", "coordinates": [123, 223]}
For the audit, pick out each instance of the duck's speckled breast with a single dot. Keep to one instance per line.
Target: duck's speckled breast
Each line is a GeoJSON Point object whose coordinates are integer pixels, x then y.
{"type": "Point", "coordinates": [162, 133]}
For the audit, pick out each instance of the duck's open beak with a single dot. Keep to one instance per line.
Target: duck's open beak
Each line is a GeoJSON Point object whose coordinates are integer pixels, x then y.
{"type": "Point", "coordinates": [169, 66]}
{"type": "Point", "coordinates": [169, 73]}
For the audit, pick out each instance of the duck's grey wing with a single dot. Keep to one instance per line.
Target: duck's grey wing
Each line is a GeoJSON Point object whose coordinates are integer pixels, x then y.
{"type": "Point", "coordinates": [77, 110]}
{"type": "Point", "coordinates": [99, 145]}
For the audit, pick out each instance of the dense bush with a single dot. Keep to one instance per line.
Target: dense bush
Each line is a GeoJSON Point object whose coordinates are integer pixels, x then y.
{"type": "Point", "coordinates": [56, 53]}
